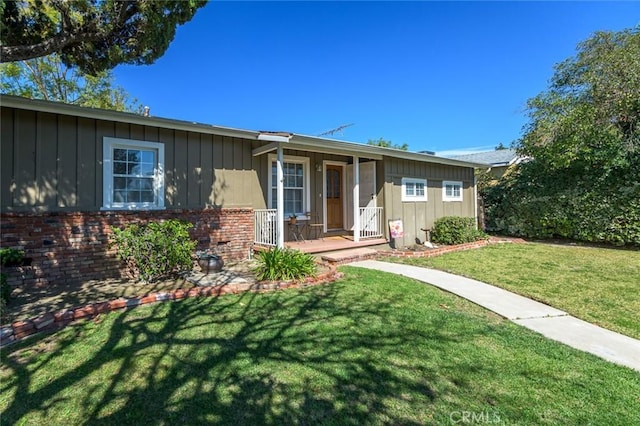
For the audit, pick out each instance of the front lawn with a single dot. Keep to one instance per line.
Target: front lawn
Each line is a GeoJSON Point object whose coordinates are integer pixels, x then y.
{"type": "Point", "coordinates": [373, 348]}
{"type": "Point", "coordinates": [598, 285]}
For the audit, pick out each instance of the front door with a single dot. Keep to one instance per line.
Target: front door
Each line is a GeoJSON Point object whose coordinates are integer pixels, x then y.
{"type": "Point", "coordinates": [334, 196]}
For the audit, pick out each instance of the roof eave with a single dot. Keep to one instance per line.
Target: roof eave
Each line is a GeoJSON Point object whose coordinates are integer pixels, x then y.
{"type": "Point", "coordinates": [303, 141]}
{"type": "Point", "coordinates": [128, 117]}
{"type": "Point", "coordinates": [364, 150]}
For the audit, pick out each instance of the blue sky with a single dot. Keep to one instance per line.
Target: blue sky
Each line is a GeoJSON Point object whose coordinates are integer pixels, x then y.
{"type": "Point", "coordinates": [440, 76]}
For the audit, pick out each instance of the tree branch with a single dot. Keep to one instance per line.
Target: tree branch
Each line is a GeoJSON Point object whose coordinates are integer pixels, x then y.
{"type": "Point", "coordinates": [44, 48]}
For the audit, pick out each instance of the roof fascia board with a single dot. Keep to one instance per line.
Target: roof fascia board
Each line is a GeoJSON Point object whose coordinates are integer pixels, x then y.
{"type": "Point", "coordinates": [127, 117]}
{"type": "Point", "coordinates": [330, 149]}
{"type": "Point", "coordinates": [372, 151]}
{"type": "Point", "coordinates": [273, 138]}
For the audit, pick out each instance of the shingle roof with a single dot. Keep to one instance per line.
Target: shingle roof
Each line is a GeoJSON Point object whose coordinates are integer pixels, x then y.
{"type": "Point", "coordinates": [294, 141]}
{"type": "Point", "coordinates": [498, 157]}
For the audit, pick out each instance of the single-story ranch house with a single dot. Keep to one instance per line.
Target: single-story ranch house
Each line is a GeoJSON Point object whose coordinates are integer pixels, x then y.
{"type": "Point", "coordinates": [70, 174]}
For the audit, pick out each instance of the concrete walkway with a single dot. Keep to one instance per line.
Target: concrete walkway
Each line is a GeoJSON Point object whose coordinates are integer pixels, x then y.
{"type": "Point", "coordinates": [550, 322]}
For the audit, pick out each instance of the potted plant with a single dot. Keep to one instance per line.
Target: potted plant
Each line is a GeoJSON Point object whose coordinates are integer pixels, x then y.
{"type": "Point", "coordinates": [209, 261]}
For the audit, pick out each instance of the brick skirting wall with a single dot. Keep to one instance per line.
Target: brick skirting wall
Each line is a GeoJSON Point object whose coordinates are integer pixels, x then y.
{"type": "Point", "coordinates": [65, 247]}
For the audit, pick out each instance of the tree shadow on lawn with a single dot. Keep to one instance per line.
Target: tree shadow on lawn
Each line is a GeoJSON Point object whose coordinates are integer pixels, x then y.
{"type": "Point", "coordinates": [273, 358]}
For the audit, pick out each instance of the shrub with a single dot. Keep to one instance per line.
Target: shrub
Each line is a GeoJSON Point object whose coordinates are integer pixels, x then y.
{"type": "Point", "coordinates": [11, 256]}
{"type": "Point", "coordinates": [156, 249]}
{"type": "Point", "coordinates": [284, 264]}
{"type": "Point", "coordinates": [456, 230]}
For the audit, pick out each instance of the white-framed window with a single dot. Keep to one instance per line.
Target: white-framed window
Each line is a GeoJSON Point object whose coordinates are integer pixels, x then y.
{"type": "Point", "coordinates": [451, 190]}
{"type": "Point", "coordinates": [414, 189]}
{"type": "Point", "coordinates": [296, 185]}
{"type": "Point", "coordinates": [133, 174]}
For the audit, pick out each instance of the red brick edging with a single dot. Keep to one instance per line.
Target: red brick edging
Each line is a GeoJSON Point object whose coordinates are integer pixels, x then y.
{"type": "Point", "coordinates": [18, 330]}
{"type": "Point", "coordinates": [449, 249]}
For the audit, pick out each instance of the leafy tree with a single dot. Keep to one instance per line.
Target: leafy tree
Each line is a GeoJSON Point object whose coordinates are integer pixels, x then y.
{"type": "Point", "coordinates": [584, 138]}
{"type": "Point", "coordinates": [50, 79]}
{"type": "Point", "coordinates": [93, 35]}
{"type": "Point", "coordinates": [387, 144]}
{"type": "Point", "coordinates": [592, 110]}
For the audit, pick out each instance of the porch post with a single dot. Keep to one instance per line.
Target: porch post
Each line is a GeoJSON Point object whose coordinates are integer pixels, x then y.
{"type": "Point", "coordinates": [356, 198]}
{"type": "Point", "coordinates": [280, 197]}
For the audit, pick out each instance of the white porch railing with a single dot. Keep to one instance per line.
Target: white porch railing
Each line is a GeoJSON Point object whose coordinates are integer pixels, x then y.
{"type": "Point", "coordinates": [371, 219]}
{"type": "Point", "coordinates": [265, 229]}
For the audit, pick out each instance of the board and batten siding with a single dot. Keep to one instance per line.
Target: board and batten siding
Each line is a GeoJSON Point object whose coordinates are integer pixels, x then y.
{"type": "Point", "coordinates": [422, 214]}
{"type": "Point", "coordinates": [53, 162]}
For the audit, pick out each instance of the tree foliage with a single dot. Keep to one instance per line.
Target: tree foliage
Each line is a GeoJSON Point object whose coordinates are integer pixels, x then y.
{"type": "Point", "coordinates": [93, 35]}
{"type": "Point", "coordinates": [50, 79]}
{"type": "Point", "coordinates": [387, 144]}
{"type": "Point", "coordinates": [584, 140]}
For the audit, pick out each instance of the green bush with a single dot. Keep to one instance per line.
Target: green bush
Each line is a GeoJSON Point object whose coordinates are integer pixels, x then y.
{"type": "Point", "coordinates": [284, 264]}
{"type": "Point", "coordinates": [11, 256]}
{"type": "Point", "coordinates": [156, 249]}
{"type": "Point", "coordinates": [456, 230]}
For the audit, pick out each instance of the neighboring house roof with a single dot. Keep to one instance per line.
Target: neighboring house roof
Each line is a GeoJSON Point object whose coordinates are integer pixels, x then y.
{"type": "Point", "coordinates": [495, 158]}
{"type": "Point", "coordinates": [292, 140]}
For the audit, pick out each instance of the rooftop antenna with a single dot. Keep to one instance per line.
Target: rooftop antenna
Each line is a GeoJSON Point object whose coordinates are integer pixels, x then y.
{"type": "Point", "coordinates": [336, 130]}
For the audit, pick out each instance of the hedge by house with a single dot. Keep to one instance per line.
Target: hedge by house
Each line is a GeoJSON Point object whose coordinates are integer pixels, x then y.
{"type": "Point", "coordinates": [594, 214]}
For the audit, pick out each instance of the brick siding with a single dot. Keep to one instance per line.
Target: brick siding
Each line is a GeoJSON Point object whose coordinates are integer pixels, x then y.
{"type": "Point", "coordinates": [64, 247]}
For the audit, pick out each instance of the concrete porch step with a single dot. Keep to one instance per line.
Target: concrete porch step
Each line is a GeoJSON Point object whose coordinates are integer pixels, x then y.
{"type": "Point", "coordinates": [340, 257]}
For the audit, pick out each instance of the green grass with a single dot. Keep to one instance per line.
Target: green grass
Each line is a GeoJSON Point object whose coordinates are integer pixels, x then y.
{"type": "Point", "coordinates": [372, 348]}
{"type": "Point", "coordinates": [599, 285]}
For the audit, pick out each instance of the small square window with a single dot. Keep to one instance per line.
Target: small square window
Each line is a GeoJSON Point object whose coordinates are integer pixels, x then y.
{"type": "Point", "coordinates": [414, 189]}
{"type": "Point", "coordinates": [451, 190]}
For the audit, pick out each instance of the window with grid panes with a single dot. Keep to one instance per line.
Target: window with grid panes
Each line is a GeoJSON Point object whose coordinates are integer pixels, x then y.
{"type": "Point", "coordinates": [133, 176]}
{"type": "Point", "coordinates": [294, 187]}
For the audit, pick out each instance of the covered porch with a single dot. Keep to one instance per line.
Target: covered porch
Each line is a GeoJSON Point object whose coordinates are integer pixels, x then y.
{"type": "Point", "coordinates": [310, 237]}
{"type": "Point", "coordinates": [319, 198]}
